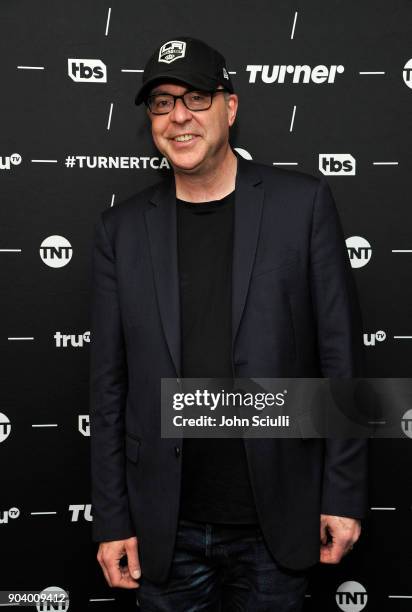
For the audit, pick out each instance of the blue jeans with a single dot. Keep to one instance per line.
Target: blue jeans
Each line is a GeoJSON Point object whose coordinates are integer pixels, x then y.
{"type": "Point", "coordinates": [223, 568]}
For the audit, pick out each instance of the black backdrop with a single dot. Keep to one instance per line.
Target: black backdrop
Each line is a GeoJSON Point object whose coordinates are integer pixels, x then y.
{"type": "Point", "coordinates": [47, 116]}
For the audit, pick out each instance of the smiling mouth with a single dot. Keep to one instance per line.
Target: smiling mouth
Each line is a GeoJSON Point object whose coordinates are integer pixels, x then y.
{"type": "Point", "coordinates": [184, 137]}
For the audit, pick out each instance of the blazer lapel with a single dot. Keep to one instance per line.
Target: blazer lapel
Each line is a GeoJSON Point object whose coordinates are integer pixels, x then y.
{"type": "Point", "coordinates": [248, 210]}
{"type": "Point", "coordinates": [161, 227]}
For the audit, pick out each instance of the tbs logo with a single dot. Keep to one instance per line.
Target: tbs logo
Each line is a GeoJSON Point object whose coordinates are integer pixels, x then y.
{"type": "Point", "coordinates": [335, 164]}
{"type": "Point", "coordinates": [87, 70]}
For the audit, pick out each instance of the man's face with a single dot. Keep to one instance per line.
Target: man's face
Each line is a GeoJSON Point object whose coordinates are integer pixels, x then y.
{"type": "Point", "coordinates": [210, 129]}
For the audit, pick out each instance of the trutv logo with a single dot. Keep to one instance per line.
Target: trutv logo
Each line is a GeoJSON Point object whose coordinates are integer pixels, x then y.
{"type": "Point", "coordinates": [6, 162]}
{"type": "Point", "coordinates": [87, 70]}
{"type": "Point", "coordinates": [5, 515]}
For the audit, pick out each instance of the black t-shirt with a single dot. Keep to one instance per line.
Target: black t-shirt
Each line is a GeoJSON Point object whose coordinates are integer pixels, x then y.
{"type": "Point", "coordinates": [215, 480]}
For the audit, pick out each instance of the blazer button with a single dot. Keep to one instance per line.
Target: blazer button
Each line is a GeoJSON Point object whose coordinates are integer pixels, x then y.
{"type": "Point", "coordinates": [177, 451]}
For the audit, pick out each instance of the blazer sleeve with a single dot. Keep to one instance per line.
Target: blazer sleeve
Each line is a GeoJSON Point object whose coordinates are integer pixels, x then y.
{"type": "Point", "coordinates": [339, 334]}
{"type": "Point", "coordinates": [108, 391]}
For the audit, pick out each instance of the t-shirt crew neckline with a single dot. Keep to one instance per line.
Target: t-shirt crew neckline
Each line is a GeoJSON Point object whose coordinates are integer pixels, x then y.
{"type": "Point", "coordinates": [208, 204]}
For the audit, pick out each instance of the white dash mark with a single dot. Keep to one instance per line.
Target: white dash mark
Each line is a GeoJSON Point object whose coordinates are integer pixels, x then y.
{"type": "Point", "coordinates": [110, 116]}
{"type": "Point", "coordinates": [394, 163]}
{"type": "Point", "coordinates": [108, 21]}
{"type": "Point", "coordinates": [293, 27]}
{"type": "Point", "coordinates": [44, 161]}
{"type": "Point", "coordinates": [22, 338]}
{"type": "Point", "coordinates": [380, 508]}
{"type": "Point", "coordinates": [285, 163]}
{"type": "Point", "coordinates": [293, 118]}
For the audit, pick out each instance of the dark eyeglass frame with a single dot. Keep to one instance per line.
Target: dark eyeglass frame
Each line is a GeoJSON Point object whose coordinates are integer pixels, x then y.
{"type": "Point", "coordinates": [212, 92]}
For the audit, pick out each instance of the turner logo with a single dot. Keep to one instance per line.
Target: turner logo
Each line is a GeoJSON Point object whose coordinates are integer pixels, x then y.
{"type": "Point", "coordinates": [359, 251]}
{"type": "Point", "coordinates": [7, 162]}
{"type": "Point", "coordinates": [80, 509]}
{"type": "Point", "coordinates": [294, 74]}
{"type": "Point", "coordinates": [53, 599]}
{"type": "Point", "coordinates": [5, 427]}
{"type": "Point", "coordinates": [407, 73]}
{"type": "Point", "coordinates": [75, 340]}
{"type": "Point", "coordinates": [13, 513]}
{"type": "Point", "coordinates": [83, 424]}
{"type": "Point", "coordinates": [335, 164]}
{"type": "Point", "coordinates": [87, 70]}
{"type": "Point", "coordinates": [56, 251]}
{"type": "Point", "coordinates": [370, 339]}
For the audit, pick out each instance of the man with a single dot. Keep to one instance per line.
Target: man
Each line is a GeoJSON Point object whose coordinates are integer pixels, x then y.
{"type": "Point", "coordinates": [227, 268]}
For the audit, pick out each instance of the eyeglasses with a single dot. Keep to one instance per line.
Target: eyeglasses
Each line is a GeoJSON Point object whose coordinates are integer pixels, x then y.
{"type": "Point", "coordinates": [163, 103]}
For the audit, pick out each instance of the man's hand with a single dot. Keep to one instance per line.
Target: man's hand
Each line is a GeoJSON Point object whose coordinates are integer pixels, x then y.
{"type": "Point", "coordinates": [109, 555]}
{"type": "Point", "coordinates": [343, 531]}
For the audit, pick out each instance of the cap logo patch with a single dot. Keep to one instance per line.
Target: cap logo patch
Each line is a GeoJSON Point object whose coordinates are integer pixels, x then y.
{"type": "Point", "coordinates": [225, 73]}
{"type": "Point", "coordinates": [171, 51]}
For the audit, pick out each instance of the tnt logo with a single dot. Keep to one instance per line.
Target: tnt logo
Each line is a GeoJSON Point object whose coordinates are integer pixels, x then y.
{"type": "Point", "coordinates": [351, 596]}
{"type": "Point", "coordinates": [11, 160]}
{"type": "Point", "coordinates": [87, 70]}
{"type": "Point", "coordinates": [83, 424]}
{"type": "Point", "coordinates": [359, 251]}
{"type": "Point", "coordinates": [56, 251]}
{"type": "Point", "coordinates": [337, 164]}
{"type": "Point", "coordinates": [407, 73]}
{"type": "Point", "coordinates": [13, 513]}
{"type": "Point", "coordinates": [77, 509]}
{"type": "Point", "coordinates": [370, 339]}
{"type": "Point", "coordinates": [406, 423]}
{"type": "Point", "coordinates": [5, 427]}
{"type": "Point", "coordinates": [75, 340]}
{"type": "Point", "coordinates": [54, 599]}
{"type": "Point", "coordinates": [171, 51]}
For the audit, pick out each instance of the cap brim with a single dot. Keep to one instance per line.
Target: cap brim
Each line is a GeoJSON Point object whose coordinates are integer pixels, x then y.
{"type": "Point", "coordinates": [176, 78]}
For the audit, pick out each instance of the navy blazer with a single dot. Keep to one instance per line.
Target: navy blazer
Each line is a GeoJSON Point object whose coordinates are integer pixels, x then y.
{"type": "Point", "coordinates": [294, 314]}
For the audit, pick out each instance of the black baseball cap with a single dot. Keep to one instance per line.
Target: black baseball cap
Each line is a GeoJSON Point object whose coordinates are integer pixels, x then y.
{"type": "Point", "coordinates": [188, 60]}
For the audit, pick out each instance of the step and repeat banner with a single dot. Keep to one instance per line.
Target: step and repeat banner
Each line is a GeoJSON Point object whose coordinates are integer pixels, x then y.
{"type": "Point", "coordinates": [324, 88]}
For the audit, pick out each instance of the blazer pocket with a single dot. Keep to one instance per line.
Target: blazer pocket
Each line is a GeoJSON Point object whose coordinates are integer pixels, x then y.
{"type": "Point", "coordinates": [132, 448]}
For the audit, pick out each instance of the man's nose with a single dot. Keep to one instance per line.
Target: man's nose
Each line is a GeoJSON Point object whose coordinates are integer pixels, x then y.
{"type": "Point", "coordinates": [180, 113]}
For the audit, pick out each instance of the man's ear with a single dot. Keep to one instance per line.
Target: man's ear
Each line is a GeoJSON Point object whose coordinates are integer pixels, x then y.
{"type": "Point", "coordinates": [232, 106]}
